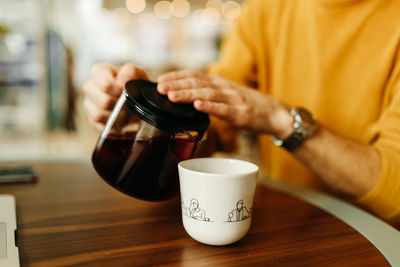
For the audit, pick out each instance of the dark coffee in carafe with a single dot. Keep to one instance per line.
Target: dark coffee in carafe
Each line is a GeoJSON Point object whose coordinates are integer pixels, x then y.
{"type": "Point", "coordinates": [148, 170]}
{"type": "Point", "coordinates": [142, 143]}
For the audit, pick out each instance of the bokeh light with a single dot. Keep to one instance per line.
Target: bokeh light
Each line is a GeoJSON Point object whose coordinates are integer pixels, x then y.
{"type": "Point", "coordinates": [231, 10]}
{"type": "Point", "coordinates": [210, 16]}
{"type": "Point", "coordinates": [180, 8]}
{"type": "Point", "coordinates": [135, 6]}
{"type": "Point", "coordinates": [218, 4]}
{"type": "Point", "coordinates": [163, 10]}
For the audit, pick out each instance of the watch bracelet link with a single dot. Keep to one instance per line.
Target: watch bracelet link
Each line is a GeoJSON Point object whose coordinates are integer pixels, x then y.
{"type": "Point", "coordinates": [304, 126]}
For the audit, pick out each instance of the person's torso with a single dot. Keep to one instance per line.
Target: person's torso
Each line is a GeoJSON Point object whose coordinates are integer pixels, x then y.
{"type": "Point", "coordinates": [333, 58]}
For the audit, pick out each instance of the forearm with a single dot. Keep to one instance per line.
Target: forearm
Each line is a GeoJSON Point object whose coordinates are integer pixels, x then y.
{"type": "Point", "coordinates": [349, 167]}
{"type": "Point", "coordinates": [345, 165]}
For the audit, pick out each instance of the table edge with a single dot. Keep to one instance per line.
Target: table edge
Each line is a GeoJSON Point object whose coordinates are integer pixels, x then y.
{"type": "Point", "coordinates": [383, 236]}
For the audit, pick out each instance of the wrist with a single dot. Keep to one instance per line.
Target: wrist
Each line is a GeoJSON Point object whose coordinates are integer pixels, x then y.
{"type": "Point", "coordinates": [283, 123]}
{"type": "Point", "coordinates": [304, 125]}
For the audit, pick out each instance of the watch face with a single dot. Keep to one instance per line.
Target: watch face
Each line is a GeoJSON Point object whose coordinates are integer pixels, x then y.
{"type": "Point", "coordinates": [306, 117]}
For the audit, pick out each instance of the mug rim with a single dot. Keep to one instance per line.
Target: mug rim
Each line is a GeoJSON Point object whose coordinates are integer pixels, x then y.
{"type": "Point", "coordinates": [253, 168]}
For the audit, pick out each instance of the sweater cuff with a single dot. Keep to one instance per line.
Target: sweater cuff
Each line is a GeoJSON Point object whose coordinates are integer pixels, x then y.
{"type": "Point", "coordinates": [384, 198]}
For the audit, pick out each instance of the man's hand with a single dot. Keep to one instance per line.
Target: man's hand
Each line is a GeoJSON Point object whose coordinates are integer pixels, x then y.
{"type": "Point", "coordinates": [102, 91]}
{"type": "Point", "coordinates": [241, 106]}
{"type": "Point", "coordinates": [345, 165]}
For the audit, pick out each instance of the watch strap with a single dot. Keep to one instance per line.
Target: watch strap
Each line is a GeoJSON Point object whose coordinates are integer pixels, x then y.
{"type": "Point", "coordinates": [293, 141]}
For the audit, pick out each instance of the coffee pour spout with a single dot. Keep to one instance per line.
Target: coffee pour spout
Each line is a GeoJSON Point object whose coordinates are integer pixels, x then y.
{"type": "Point", "coordinates": [191, 135]}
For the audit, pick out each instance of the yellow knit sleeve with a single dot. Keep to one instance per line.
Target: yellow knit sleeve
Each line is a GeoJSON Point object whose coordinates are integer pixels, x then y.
{"type": "Point", "coordinates": [384, 135]}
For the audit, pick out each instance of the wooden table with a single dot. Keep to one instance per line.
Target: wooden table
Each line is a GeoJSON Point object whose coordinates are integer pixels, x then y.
{"type": "Point", "coordinates": [71, 217]}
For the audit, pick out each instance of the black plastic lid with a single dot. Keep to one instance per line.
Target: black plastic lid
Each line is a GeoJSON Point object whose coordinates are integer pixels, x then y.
{"type": "Point", "coordinates": [154, 108]}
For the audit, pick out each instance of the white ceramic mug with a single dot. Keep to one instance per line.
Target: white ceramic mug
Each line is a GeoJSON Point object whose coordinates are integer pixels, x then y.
{"type": "Point", "coordinates": [217, 198]}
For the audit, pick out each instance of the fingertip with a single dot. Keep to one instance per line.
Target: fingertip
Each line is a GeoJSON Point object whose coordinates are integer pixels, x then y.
{"type": "Point", "coordinates": [163, 88]}
{"type": "Point", "coordinates": [174, 96]}
{"type": "Point", "coordinates": [129, 72]}
{"type": "Point", "coordinates": [199, 105]}
{"type": "Point", "coordinates": [127, 69]}
{"type": "Point", "coordinates": [126, 72]}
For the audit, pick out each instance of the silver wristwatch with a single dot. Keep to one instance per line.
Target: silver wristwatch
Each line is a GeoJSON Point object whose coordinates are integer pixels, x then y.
{"type": "Point", "coordinates": [304, 125]}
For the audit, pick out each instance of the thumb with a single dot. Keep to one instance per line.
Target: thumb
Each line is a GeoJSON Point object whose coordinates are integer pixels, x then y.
{"type": "Point", "coordinates": [129, 72]}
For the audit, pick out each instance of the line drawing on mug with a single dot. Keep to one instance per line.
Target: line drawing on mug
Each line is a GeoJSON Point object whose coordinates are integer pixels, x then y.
{"type": "Point", "coordinates": [193, 211]}
{"type": "Point", "coordinates": [240, 213]}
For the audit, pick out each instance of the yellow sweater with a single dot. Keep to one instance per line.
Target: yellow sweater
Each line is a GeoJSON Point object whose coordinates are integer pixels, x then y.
{"type": "Point", "coordinates": [340, 59]}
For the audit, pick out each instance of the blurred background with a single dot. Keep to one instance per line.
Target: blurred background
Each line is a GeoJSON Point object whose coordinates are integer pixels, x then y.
{"type": "Point", "coordinates": [47, 49]}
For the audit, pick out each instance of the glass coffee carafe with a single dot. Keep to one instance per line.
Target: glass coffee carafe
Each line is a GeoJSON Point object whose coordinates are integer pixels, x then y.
{"type": "Point", "coordinates": [144, 139]}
